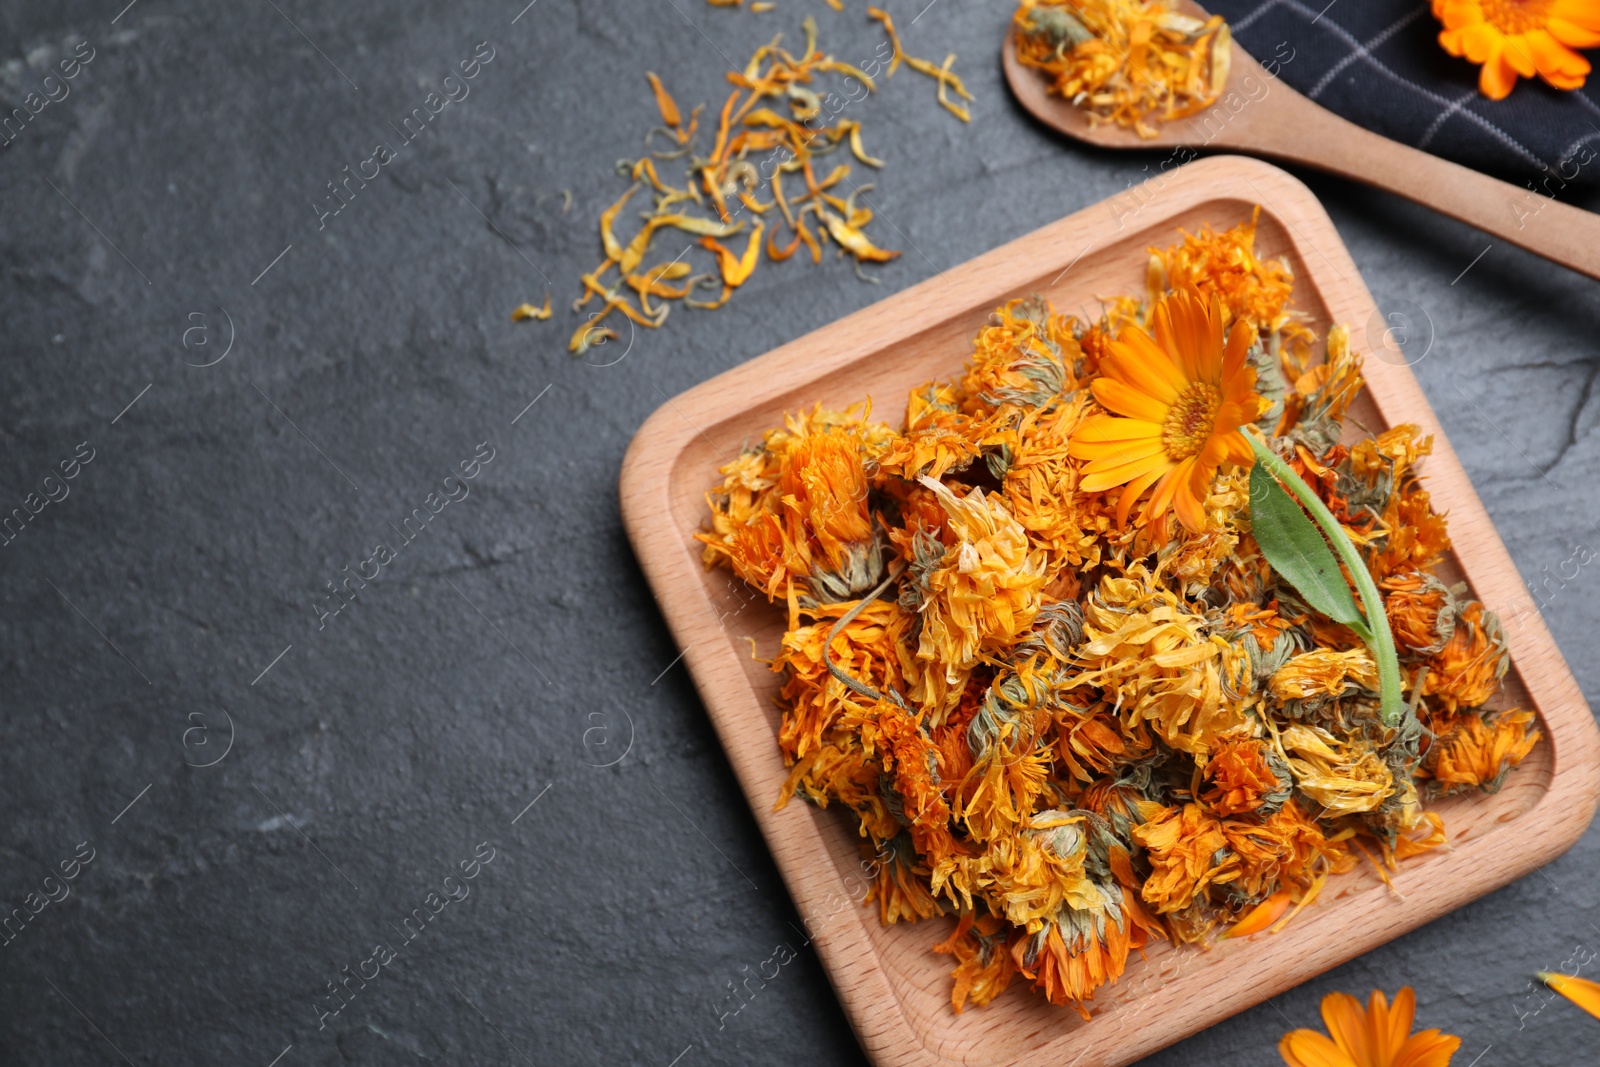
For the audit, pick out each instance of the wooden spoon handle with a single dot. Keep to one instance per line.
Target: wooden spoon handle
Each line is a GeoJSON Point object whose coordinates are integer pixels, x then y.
{"type": "Point", "coordinates": [1530, 218]}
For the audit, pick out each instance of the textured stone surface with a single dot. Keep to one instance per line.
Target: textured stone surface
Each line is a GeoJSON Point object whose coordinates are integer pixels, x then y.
{"type": "Point", "coordinates": [377, 752]}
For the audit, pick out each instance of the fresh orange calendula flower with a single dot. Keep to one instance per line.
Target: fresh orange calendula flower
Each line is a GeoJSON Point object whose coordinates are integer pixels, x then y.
{"type": "Point", "coordinates": [1380, 1036]}
{"type": "Point", "coordinates": [1527, 38]}
{"type": "Point", "coordinates": [1183, 394]}
{"type": "Point", "coordinates": [1582, 992]}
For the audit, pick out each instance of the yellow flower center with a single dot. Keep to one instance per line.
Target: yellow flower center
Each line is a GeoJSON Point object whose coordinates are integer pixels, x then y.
{"type": "Point", "coordinates": [1191, 420]}
{"type": "Point", "coordinates": [1512, 17]}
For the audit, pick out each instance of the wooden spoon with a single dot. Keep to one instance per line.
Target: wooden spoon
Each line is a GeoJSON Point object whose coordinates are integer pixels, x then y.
{"type": "Point", "coordinates": [1259, 114]}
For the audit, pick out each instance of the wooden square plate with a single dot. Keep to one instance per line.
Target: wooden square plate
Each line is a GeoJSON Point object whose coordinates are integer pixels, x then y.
{"type": "Point", "coordinates": [895, 990]}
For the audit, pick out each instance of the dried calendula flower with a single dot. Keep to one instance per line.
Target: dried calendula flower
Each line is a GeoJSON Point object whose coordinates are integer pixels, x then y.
{"type": "Point", "coordinates": [1479, 753]}
{"type": "Point", "coordinates": [796, 510]}
{"type": "Point", "coordinates": [1182, 846]}
{"type": "Point", "coordinates": [985, 589]}
{"type": "Point", "coordinates": [1344, 776]}
{"type": "Point", "coordinates": [1245, 775]}
{"type": "Point", "coordinates": [870, 647]}
{"type": "Point", "coordinates": [1422, 611]}
{"type": "Point", "coordinates": [1074, 734]}
{"type": "Point", "coordinates": [1248, 286]}
{"type": "Point", "coordinates": [1467, 671]}
{"type": "Point", "coordinates": [983, 966]}
{"type": "Point", "coordinates": [1131, 62]}
{"type": "Point", "coordinates": [1083, 948]}
{"type": "Point", "coordinates": [1324, 672]}
{"type": "Point", "coordinates": [1144, 644]}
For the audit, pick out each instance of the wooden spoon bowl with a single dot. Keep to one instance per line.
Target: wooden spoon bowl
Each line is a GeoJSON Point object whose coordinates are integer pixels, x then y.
{"type": "Point", "coordinates": [1260, 115]}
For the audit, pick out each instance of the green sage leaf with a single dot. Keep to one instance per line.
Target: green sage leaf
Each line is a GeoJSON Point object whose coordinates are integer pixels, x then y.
{"type": "Point", "coordinates": [1299, 553]}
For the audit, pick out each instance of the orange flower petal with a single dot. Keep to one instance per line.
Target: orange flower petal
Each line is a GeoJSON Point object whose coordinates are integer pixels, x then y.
{"type": "Point", "coordinates": [1138, 360]}
{"type": "Point", "coordinates": [1429, 1048]}
{"type": "Point", "coordinates": [1231, 415]}
{"type": "Point", "coordinates": [1239, 450]}
{"type": "Point", "coordinates": [1520, 56]}
{"type": "Point", "coordinates": [1237, 352]}
{"type": "Point", "coordinates": [1582, 992]}
{"type": "Point", "coordinates": [1582, 13]}
{"type": "Point", "coordinates": [1117, 451]}
{"type": "Point", "coordinates": [1189, 501]}
{"type": "Point", "coordinates": [1392, 1026]}
{"type": "Point", "coordinates": [1104, 429]}
{"type": "Point", "coordinates": [1347, 1024]}
{"type": "Point", "coordinates": [1131, 494]}
{"type": "Point", "coordinates": [1161, 499]}
{"type": "Point", "coordinates": [1479, 42]}
{"type": "Point", "coordinates": [1573, 35]}
{"type": "Point", "coordinates": [1497, 78]}
{"type": "Point", "coordinates": [1558, 65]}
{"type": "Point", "coordinates": [1307, 1048]}
{"type": "Point", "coordinates": [1097, 478]}
{"type": "Point", "coordinates": [1261, 916]}
{"type": "Point", "coordinates": [1211, 456]}
{"type": "Point", "coordinates": [1181, 327]}
{"type": "Point", "coordinates": [1213, 336]}
{"type": "Point", "coordinates": [1126, 400]}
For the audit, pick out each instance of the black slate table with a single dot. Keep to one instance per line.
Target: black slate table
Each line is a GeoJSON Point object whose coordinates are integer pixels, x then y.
{"type": "Point", "coordinates": [264, 776]}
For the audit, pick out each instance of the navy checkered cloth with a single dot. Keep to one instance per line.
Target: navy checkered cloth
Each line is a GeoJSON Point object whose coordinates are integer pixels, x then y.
{"type": "Point", "coordinates": [1379, 64]}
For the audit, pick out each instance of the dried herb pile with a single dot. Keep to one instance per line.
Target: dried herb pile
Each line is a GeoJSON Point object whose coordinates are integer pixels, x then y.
{"type": "Point", "coordinates": [768, 173]}
{"type": "Point", "coordinates": [1129, 62]}
{"type": "Point", "coordinates": [1036, 651]}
